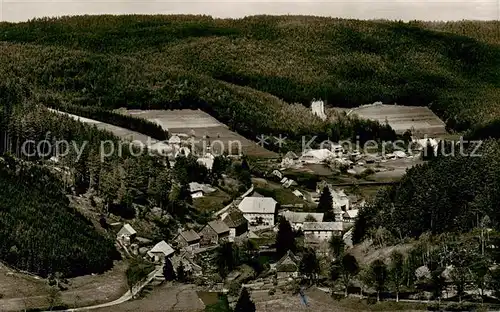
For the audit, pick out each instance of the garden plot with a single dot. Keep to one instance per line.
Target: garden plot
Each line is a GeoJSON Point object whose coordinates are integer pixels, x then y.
{"type": "Point", "coordinates": [419, 119]}
{"type": "Point", "coordinates": [205, 128]}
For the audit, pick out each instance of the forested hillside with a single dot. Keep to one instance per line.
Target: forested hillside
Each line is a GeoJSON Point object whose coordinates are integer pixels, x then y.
{"type": "Point", "coordinates": [39, 232]}
{"type": "Point", "coordinates": [34, 212]}
{"type": "Point", "coordinates": [448, 194]}
{"type": "Point", "coordinates": [235, 68]}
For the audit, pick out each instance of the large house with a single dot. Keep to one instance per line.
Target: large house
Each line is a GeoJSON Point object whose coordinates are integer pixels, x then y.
{"type": "Point", "coordinates": [214, 233]}
{"type": "Point", "coordinates": [259, 211]}
{"type": "Point", "coordinates": [316, 156]}
{"type": "Point", "coordinates": [188, 240]}
{"type": "Point", "coordinates": [236, 222]}
{"type": "Point", "coordinates": [160, 251]}
{"type": "Point", "coordinates": [297, 219]}
{"type": "Point", "coordinates": [315, 232]}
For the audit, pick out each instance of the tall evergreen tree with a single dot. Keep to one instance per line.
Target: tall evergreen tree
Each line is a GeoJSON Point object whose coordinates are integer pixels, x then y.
{"type": "Point", "coordinates": [168, 270]}
{"type": "Point", "coordinates": [285, 239]}
{"type": "Point", "coordinates": [244, 303]}
{"type": "Point", "coordinates": [325, 205]}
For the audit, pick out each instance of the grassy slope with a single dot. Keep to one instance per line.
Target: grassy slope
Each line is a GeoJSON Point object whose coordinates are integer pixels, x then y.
{"type": "Point", "coordinates": [295, 58]}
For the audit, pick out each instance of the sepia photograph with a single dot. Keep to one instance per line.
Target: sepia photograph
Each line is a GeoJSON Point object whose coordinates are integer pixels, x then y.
{"type": "Point", "coordinates": [249, 155]}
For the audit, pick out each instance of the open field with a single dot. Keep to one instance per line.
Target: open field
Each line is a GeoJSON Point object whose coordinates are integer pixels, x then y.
{"type": "Point", "coordinates": [21, 291]}
{"type": "Point", "coordinates": [206, 130]}
{"type": "Point", "coordinates": [163, 298]}
{"type": "Point", "coordinates": [421, 120]}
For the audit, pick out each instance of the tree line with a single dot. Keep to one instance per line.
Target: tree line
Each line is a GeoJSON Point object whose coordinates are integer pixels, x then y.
{"type": "Point", "coordinates": [454, 71]}
{"type": "Point", "coordinates": [447, 194]}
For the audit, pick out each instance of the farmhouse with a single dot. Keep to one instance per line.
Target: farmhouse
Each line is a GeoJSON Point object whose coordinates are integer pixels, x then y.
{"type": "Point", "coordinates": [350, 215]}
{"type": "Point", "coordinates": [199, 190]}
{"type": "Point", "coordinates": [126, 234]}
{"type": "Point", "coordinates": [160, 251]}
{"type": "Point", "coordinates": [236, 222]}
{"type": "Point", "coordinates": [188, 240]}
{"type": "Point", "coordinates": [259, 211]}
{"type": "Point", "coordinates": [214, 233]}
{"type": "Point", "coordinates": [287, 266]}
{"type": "Point", "coordinates": [316, 156]}
{"type": "Point", "coordinates": [321, 231]}
{"type": "Point", "coordinates": [297, 219]}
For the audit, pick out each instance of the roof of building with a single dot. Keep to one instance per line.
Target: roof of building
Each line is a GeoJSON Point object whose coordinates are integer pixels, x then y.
{"type": "Point", "coordinates": [288, 263]}
{"type": "Point", "coordinates": [162, 247]}
{"type": "Point", "coordinates": [234, 218]}
{"type": "Point", "coordinates": [218, 226]}
{"type": "Point", "coordinates": [197, 187]}
{"type": "Point", "coordinates": [320, 154]}
{"type": "Point", "coordinates": [257, 205]}
{"type": "Point", "coordinates": [127, 230]}
{"type": "Point", "coordinates": [323, 226]}
{"type": "Point", "coordinates": [297, 193]}
{"type": "Point", "coordinates": [351, 213]}
{"type": "Point", "coordinates": [190, 236]}
{"type": "Point", "coordinates": [300, 217]}
{"type": "Point", "coordinates": [291, 155]}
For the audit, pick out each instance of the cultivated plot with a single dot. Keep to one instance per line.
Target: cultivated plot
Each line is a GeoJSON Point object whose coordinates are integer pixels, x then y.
{"type": "Point", "coordinates": [205, 129]}
{"type": "Point", "coordinates": [419, 119]}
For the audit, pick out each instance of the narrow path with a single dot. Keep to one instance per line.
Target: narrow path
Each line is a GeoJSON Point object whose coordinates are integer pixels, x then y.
{"type": "Point", "coordinates": [126, 297]}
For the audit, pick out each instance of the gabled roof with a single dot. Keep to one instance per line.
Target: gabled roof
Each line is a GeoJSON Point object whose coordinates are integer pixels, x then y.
{"type": "Point", "coordinates": [162, 247]}
{"type": "Point", "coordinates": [300, 217]}
{"type": "Point", "coordinates": [288, 263]}
{"type": "Point", "coordinates": [218, 226]}
{"type": "Point", "coordinates": [126, 230]}
{"type": "Point", "coordinates": [197, 187]}
{"type": "Point", "coordinates": [323, 226]}
{"type": "Point", "coordinates": [257, 205]}
{"type": "Point", "coordinates": [320, 154]}
{"type": "Point", "coordinates": [351, 213]}
{"type": "Point", "coordinates": [190, 236]}
{"type": "Point", "coordinates": [234, 218]}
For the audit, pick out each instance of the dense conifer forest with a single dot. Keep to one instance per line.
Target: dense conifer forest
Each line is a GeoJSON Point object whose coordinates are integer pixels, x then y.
{"type": "Point", "coordinates": [39, 232]}
{"type": "Point", "coordinates": [249, 72]}
{"type": "Point", "coordinates": [447, 194]}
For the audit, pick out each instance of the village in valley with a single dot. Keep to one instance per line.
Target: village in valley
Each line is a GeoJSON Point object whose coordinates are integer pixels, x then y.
{"type": "Point", "coordinates": [261, 238]}
{"type": "Point", "coordinates": [187, 163]}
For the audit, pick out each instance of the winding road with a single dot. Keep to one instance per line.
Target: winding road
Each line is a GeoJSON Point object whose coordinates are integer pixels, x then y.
{"type": "Point", "coordinates": [126, 297]}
